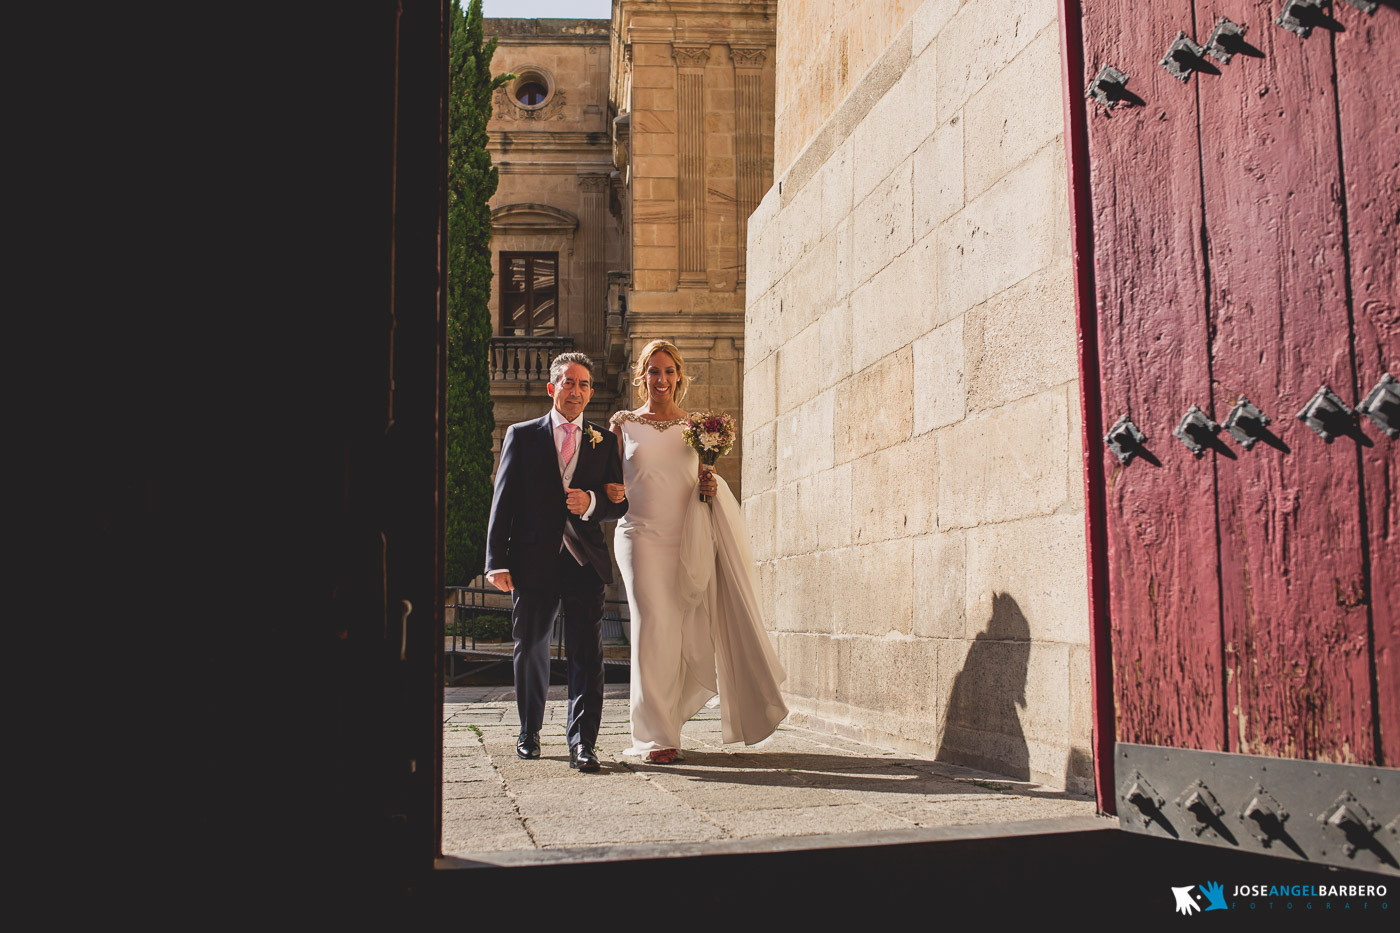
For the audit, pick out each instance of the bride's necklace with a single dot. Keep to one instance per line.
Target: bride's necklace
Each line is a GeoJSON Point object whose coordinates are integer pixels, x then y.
{"type": "Point", "coordinates": [641, 419]}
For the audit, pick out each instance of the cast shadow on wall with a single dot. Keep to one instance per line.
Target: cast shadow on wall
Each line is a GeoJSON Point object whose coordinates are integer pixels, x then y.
{"type": "Point", "coordinates": [981, 728]}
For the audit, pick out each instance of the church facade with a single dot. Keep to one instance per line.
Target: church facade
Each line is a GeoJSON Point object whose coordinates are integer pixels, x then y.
{"type": "Point", "coordinates": [631, 153]}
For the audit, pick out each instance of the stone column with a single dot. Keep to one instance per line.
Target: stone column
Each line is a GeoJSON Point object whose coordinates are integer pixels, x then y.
{"type": "Point", "coordinates": [691, 193]}
{"type": "Point", "coordinates": [593, 216]}
{"type": "Point", "coordinates": [748, 139]}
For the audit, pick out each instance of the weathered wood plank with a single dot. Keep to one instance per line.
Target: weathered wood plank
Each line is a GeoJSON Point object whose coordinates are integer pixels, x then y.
{"type": "Point", "coordinates": [1144, 170]}
{"type": "Point", "coordinates": [1368, 88]}
{"type": "Point", "coordinates": [1297, 645]}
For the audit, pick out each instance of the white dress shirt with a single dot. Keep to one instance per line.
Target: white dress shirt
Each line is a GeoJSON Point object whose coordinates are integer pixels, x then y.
{"type": "Point", "coordinates": [566, 471]}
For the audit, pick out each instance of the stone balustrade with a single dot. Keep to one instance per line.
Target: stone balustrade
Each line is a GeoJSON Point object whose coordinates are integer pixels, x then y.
{"type": "Point", "coordinates": [525, 359]}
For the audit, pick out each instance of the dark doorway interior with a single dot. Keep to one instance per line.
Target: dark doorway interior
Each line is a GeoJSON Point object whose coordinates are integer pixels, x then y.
{"type": "Point", "coordinates": [247, 324]}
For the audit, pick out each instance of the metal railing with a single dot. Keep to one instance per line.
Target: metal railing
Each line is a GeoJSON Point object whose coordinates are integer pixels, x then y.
{"type": "Point", "coordinates": [525, 359]}
{"type": "Point", "coordinates": [467, 604]}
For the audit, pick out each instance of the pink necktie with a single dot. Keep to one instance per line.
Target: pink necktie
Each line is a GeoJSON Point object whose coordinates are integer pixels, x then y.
{"type": "Point", "coordinates": [566, 453]}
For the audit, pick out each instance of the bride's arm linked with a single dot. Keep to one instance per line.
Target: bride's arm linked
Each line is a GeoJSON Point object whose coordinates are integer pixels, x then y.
{"type": "Point", "coordinates": [610, 509]}
{"type": "Point", "coordinates": [617, 492]}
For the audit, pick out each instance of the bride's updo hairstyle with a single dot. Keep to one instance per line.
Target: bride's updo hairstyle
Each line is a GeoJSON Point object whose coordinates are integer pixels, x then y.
{"type": "Point", "coordinates": [639, 372]}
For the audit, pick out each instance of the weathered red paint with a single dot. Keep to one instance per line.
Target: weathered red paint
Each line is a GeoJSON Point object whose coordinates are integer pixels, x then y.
{"type": "Point", "coordinates": [1154, 365]}
{"type": "Point", "coordinates": [1245, 243]}
{"type": "Point", "coordinates": [1367, 54]}
{"type": "Point", "coordinates": [1296, 642]}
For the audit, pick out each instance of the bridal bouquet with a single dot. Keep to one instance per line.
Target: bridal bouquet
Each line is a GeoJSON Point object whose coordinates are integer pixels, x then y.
{"type": "Point", "coordinates": [709, 435]}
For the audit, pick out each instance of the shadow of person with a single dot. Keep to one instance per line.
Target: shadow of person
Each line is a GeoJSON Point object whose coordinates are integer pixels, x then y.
{"type": "Point", "coordinates": [982, 728]}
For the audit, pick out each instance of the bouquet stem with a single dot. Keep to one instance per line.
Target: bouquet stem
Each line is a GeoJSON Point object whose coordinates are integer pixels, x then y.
{"type": "Point", "coordinates": [708, 457]}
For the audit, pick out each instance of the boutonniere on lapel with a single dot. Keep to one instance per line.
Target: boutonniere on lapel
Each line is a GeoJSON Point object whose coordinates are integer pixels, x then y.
{"type": "Point", "coordinates": [594, 438]}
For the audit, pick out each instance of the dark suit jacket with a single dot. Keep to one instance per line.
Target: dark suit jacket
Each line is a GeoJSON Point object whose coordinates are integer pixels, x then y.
{"type": "Point", "coordinates": [528, 511]}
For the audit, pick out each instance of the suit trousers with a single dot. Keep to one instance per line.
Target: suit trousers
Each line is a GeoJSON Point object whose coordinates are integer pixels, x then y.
{"type": "Point", "coordinates": [578, 591]}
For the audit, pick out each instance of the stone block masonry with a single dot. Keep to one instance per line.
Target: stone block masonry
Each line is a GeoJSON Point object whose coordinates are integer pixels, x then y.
{"type": "Point", "coordinates": [912, 450]}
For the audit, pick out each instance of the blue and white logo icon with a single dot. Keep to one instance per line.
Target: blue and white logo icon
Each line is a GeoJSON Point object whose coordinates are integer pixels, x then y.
{"type": "Point", "coordinates": [1210, 893]}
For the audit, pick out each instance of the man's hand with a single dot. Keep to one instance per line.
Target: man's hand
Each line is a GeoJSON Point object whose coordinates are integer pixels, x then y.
{"type": "Point", "coordinates": [616, 491]}
{"type": "Point", "coordinates": [708, 485]}
{"type": "Point", "coordinates": [577, 500]}
{"type": "Point", "coordinates": [501, 580]}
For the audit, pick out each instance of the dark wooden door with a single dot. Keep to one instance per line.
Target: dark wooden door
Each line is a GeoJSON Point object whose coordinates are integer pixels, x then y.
{"type": "Point", "coordinates": [1245, 238]}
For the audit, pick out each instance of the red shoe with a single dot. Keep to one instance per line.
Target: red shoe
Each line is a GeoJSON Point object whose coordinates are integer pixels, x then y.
{"type": "Point", "coordinates": [662, 756]}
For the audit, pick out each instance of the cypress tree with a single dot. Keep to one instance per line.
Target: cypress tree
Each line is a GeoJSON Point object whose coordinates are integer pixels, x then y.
{"type": "Point", "coordinates": [471, 180]}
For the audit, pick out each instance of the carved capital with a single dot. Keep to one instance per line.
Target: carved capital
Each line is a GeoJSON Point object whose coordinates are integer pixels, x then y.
{"type": "Point", "coordinates": [593, 182]}
{"type": "Point", "coordinates": [748, 58]}
{"type": "Point", "coordinates": [691, 56]}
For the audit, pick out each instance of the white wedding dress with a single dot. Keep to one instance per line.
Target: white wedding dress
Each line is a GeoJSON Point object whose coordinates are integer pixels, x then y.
{"type": "Point", "coordinates": [693, 594]}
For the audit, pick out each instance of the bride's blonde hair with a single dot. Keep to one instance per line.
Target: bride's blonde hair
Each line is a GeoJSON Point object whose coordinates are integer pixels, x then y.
{"type": "Point", "coordinates": [639, 371]}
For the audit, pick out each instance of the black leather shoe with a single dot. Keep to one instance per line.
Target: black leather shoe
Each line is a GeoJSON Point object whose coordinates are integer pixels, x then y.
{"type": "Point", "coordinates": [583, 758]}
{"type": "Point", "coordinates": [528, 745]}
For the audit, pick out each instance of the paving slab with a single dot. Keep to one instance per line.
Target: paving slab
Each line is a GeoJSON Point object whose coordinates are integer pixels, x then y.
{"type": "Point", "coordinates": [806, 821]}
{"type": "Point", "coordinates": [738, 790]}
{"type": "Point", "coordinates": [453, 790]}
{"type": "Point", "coordinates": [485, 835]}
{"type": "Point", "coordinates": [493, 806]}
{"type": "Point", "coordinates": [993, 808]}
{"type": "Point", "coordinates": [454, 771]}
{"type": "Point", "coordinates": [797, 785]}
{"type": "Point", "coordinates": [614, 828]}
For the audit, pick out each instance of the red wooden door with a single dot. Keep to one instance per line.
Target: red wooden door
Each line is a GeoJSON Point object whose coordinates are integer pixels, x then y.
{"type": "Point", "coordinates": [1155, 358]}
{"type": "Point", "coordinates": [1245, 234]}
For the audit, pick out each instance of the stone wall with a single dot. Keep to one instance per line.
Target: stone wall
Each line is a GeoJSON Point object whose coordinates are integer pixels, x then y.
{"type": "Point", "coordinates": [912, 472]}
{"type": "Point", "coordinates": [824, 47]}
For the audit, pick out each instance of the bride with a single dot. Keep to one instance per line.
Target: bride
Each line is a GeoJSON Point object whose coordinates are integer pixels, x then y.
{"type": "Point", "coordinates": [691, 588]}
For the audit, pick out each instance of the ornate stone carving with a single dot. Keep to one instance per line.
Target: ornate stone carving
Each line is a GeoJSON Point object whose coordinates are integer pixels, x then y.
{"type": "Point", "coordinates": [593, 182]}
{"type": "Point", "coordinates": [748, 58]}
{"type": "Point", "coordinates": [508, 108]}
{"type": "Point", "coordinates": [690, 56]}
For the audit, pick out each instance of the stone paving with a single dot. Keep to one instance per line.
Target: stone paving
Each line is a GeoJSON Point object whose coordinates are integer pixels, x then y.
{"type": "Point", "coordinates": [798, 783]}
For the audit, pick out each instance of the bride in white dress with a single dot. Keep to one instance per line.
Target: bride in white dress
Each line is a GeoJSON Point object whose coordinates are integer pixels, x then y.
{"type": "Point", "coordinates": [691, 587]}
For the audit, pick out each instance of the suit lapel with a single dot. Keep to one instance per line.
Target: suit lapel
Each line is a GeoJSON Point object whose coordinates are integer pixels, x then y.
{"type": "Point", "coordinates": [546, 434]}
{"type": "Point", "coordinates": [583, 448]}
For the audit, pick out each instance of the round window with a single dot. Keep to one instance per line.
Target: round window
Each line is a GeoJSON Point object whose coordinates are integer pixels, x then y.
{"type": "Point", "coordinates": [531, 93]}
{"type": "Point", "coordinates": [532, 87]}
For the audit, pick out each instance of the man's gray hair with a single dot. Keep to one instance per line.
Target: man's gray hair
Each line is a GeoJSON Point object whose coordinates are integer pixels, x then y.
{"type": "Point", "coordinates": [556, 368]}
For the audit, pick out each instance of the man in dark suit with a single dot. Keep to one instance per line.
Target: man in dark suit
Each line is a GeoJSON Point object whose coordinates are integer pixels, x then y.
{"type": "Point", "coordinates": [545, 547]}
